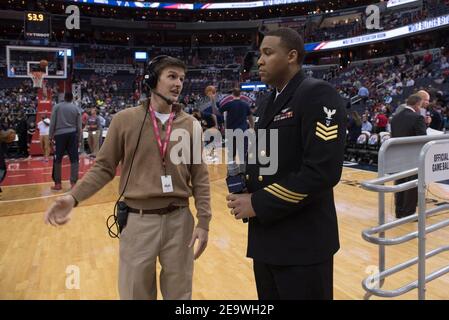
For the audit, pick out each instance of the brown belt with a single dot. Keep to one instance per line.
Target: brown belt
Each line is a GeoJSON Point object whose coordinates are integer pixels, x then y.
{"type": "Point", "coordinates": [160, 211]}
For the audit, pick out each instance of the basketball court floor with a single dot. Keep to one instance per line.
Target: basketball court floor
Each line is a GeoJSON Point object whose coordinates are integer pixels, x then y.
{"type": "Point", "coordinates": [37, 261]}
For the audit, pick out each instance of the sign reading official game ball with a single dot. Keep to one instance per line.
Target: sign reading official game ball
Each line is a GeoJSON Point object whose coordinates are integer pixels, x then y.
{"type": "Point", "coordinates": [437, 163]}
{"type": "Point", "coordinates": [37, 25]}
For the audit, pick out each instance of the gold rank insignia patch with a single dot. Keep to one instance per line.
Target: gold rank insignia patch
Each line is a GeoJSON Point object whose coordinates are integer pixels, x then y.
{"type": "Point", "coordinates": [326, 133]}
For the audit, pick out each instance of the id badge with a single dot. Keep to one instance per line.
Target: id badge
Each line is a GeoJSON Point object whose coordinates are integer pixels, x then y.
{"type": "Point", "coordinates": [167, 185]}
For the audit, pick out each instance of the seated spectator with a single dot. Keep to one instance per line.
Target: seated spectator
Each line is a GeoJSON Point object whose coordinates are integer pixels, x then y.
{"type": "Point", "coordinates": [427, 59]}
{"type": "Point", "coordinates": [437, 117]}
{"type": "Point", "coordinates": [363, 92]}
{"type": "Point", "coordinates": [381, 122]}
{"type": "Point", "coordinates": [354, 126]}
{"type": "Point", "coordinates": [410, 82]}
{"type": "Point", "coordinates": [366, 124]}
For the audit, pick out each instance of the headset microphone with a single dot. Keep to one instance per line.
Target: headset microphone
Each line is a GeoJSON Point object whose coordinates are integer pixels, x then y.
{"type": "Point", "coordinates": [167, 100]}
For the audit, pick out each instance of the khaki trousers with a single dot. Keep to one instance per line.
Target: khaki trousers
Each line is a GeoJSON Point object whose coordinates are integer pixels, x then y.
{"type": "Point", "coordinates": [45, 145]}
{"type": "Point", "coordinates": [93, 139]}
{"type": "Point", "coordinates": [150, 236]}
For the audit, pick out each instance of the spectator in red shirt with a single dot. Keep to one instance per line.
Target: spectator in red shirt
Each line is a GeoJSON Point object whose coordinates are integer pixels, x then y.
{"type": "Point", "coordinates": [381, 121]}
{"type": "Point", "coordinates": [84, 118]}
{"type": "Point", "coordinates": [427, 59]}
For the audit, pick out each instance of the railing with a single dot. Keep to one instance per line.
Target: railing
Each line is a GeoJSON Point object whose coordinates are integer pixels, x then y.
{"type": "Point", "coordinates": [432, 151]}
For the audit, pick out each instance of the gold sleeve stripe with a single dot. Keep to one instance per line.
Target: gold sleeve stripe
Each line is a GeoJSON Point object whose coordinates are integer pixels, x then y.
{"type": "Point", "coordinates": [280, 196]}
{"type": "Point", "coordinates": [288, 191]}
{"type": "Point", "coordinates": [285, 194]}
{"type": "Point", "coordinates": [319, 124]}
{"type": "Point", "coordinates": [325, 138]}
{"type": "Point", "coordinates": [318, 129]}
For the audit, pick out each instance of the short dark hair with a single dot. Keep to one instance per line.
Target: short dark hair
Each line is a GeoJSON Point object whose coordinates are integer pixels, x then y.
{"type": "Point", "coordinates": [291, 40]}
{"type": "Point", "coordinates": [68, 97]}
{"type": "Point", "coordinates": [414, 99]}
{"type": "Point", "coordinates": [236, 92]}
{"type": "Point", "coordinates": [169, 62]}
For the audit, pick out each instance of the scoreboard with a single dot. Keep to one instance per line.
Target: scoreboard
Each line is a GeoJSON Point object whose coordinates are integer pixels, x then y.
{"type": "Point", "coordinates": [37, 25]}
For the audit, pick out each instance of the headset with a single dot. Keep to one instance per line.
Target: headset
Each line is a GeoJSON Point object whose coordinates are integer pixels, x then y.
{"type": "Point", "coordinates": [150, 78]}
{"type": "Point", "coordinates": [149, 82]}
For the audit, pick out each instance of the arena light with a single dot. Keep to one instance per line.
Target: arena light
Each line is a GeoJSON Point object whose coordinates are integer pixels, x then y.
{"type": "Point", "coordinates": [253, 86]}
{"type": "Point", "coordinates": [140, 55]}
{"type": "Point", "coordinates": [394, 3]}
{"type": "Point", "coordinates": [69, 53]}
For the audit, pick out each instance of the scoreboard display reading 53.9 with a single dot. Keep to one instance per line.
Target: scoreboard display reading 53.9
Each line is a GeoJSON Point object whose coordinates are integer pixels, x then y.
{"type": "Point", "coordinates": [37, 25]}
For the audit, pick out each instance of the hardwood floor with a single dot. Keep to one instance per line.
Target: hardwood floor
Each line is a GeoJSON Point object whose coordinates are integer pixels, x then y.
{"type": "Point", "coordinates": [39, 262]}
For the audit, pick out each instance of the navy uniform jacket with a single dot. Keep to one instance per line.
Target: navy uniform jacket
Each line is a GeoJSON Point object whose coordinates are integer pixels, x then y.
{"type": "Point", "coordinates": [296, 222]}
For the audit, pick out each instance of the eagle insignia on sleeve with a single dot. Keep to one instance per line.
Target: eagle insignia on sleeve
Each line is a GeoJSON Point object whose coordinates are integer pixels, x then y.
{"type": "Point", "coordinates": [326, 131]}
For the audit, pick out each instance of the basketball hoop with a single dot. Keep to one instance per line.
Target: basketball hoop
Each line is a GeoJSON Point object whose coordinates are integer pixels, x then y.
{"type": "Point", "coordinates": [37, 77]}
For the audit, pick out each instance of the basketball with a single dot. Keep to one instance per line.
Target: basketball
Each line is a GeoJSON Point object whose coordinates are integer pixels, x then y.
{"type": "Point", "coordinates": [43, 63]}
{"type": "Point", "coordinates": [210, 90]}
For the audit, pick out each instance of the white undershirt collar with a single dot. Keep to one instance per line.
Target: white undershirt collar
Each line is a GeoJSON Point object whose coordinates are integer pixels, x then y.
{"type": "Point", "coordinates": [410, 108]}
{"type": "Point", "coordinates": [279, 92]}
{"type": "Point", "coordinates": [162, 116]}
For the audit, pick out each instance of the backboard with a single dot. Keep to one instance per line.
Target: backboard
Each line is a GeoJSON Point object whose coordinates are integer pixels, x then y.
{"type": "Point", "coordinates": [21, 60]}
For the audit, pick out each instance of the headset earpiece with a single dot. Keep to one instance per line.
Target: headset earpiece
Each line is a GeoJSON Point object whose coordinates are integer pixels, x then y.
{"type": "Point", "coordinates": [150, 79]}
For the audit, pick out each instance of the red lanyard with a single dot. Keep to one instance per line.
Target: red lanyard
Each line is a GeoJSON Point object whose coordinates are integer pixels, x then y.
{"type": "Point", "coordinates": [162, 146]}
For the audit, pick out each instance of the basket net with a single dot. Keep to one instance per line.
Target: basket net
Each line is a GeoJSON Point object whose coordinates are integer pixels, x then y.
{"type": "Point", "coordinates": [37, 77]}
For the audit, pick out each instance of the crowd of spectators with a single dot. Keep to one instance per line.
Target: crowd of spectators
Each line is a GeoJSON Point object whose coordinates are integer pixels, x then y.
{"type": "Point", "coordinates": [351, 27]}
{"type": "Point", "coordinates": [132, 14]}
{"type": "Point", "coordinates": [378, 90]}
{"type": "Point", "coordinates": [313, 29]}
{"type": "Point", "coordinates": [193, 56]}
{"type": "Point", "coordinates": [104, 92]}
